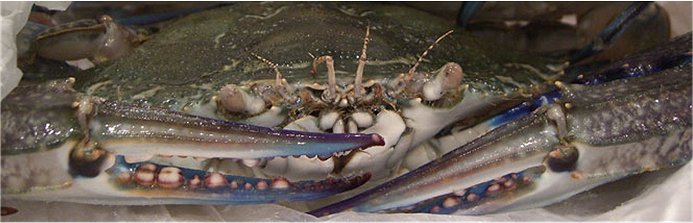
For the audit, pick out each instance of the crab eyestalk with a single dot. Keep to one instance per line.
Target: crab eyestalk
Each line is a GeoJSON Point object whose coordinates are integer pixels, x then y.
{"type": "Point", "coordinates": [550, 155]}
{"type": "Point", "coordinates": [236, 100]}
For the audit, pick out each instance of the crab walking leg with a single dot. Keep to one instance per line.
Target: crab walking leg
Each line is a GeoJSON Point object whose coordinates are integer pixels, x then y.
{"type": "Point", "coordinates": [131, 130]}
{"type": "Point", "coordinates": [144, 183]}
{"type": "Point", "coordinates": [87, 150]}
{"type": "Point", "coordinates": [100, 40]}
{"type": "Point", "coordinates": [672, 54]}
{"type": "Point", "coordinates": [643, 125]}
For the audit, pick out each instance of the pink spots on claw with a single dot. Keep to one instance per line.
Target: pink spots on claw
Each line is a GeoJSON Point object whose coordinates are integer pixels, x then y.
{"type": "Point", "coordinates": [330, 181]}
{"type": "Point", "coordinates": [248, 186]}
{"type": "Point", "coordinates": [435, 209]}
{"type": "Point", "coordinates": [170, 178]}
{"type": "Point", "coordinates": [195, 182]}
{"type": "Point", "coordinates": [215, 180]}
{"type": "Point", "coordinates": [525, 179]}
{"type": "Point", "coordinates": [451, 202]}
{"type": "Point", "coordinates": [124, 177]}
{"type": "Point", "coordinates": [460, 192]}
{"type": "Point", "coordinates": [280, 183]}
{"type": "Point", "coordinates": [473, 197]}
{"type": "Point", "coordinates": [262, 185]}
{"type": "Point", "coordinates": [233, 184]}
{"type": "Point", "coordinates": [145, 174]}
{"type": "Point", "coordinates": [510, 185]}
{"type": "Point", "coordinates": [493, 189]}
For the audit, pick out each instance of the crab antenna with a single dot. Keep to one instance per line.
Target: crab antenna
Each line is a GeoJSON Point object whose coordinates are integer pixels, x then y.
{"type": "Point", "coordinates": [413, 68]}
{"type": "Point", "coordinates": [331, 76]}
{"type": "Point", "coordinates": [362, 63]}
{"type": "Point", "coordinates": [278, 77]}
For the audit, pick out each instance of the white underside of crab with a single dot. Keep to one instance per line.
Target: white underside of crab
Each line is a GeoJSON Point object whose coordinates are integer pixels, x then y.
{"type": "Point", "coordinates": [426, 121]}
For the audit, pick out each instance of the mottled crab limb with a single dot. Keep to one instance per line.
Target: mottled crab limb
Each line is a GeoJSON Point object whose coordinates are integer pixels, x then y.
{"type": "Point", "coordinates": [101, 40]}
{"type": "Point", "coordinates": [530, 163]}
{"type": "Point", "coordinates": [656, 59]}
{"type": "Point", "coordinates": [118, 41]}
{"type": "Point", "coordinates": [130, 129]}
{"type": "Point", "coordinates": [81, 151]}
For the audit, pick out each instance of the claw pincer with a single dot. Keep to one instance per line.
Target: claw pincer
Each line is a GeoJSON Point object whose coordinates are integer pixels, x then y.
{"type": "Point", "coordinates": [592, 135]}
{"type": "Point", "coordinates": [58, 144]}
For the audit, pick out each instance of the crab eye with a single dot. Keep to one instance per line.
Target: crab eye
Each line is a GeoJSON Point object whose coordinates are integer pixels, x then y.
{"type": "Point", "coordinates": [234, 99]}
{"type": "Point", "coordinates": [448, 78]}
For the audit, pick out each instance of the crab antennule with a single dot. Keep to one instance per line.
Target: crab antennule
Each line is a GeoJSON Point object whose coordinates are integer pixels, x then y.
{"type": "Point", "coordinates": [362, 64]}
{"type": "Point", "coordinates": [278, 75]}
{"type": "Point", "coordinates": [130, 129]}
{"type": "Point", "coordinates": [331, 76]}
{"type": "Point", "coordinates": [278, 79]}
{"type": "Point", "coordinates": [413, 68]}
{"type": "Point", "coordinates": [547, 166]}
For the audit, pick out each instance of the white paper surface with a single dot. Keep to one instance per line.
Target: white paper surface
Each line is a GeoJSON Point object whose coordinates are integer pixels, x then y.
{"type": "Point", "coordinates": [662, 196]}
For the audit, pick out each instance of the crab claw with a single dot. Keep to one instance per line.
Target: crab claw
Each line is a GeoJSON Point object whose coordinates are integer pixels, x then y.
{"type": "Point", "coordinates": [59, 145]}
{"type": "Point", "coordinates": [149, 183]}
{"type": "Point", "coordinates": [127, 129]}
{"type": "Point", "coordinates": [639, 124]}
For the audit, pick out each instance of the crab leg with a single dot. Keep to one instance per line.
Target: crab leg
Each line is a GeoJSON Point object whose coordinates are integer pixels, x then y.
{"type": "Point", "coordinates": [664, 57]}
{"type": "Point", "coordinates": [61, 163]}
{"type": "Point", "coordinates": [643, 125]}
{"type": "Point", "coordinates": [128, 129]}
{"type": "Point", "coordinates": [149, 183]}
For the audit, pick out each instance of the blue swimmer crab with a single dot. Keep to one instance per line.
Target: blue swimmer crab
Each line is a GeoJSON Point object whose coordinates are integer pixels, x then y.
{"type": "Point", "coordinates": [259, 64]}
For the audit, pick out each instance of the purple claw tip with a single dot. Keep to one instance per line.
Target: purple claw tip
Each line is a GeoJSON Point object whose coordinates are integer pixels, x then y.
{"type": "Point", "coordinates": [379, 141]}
